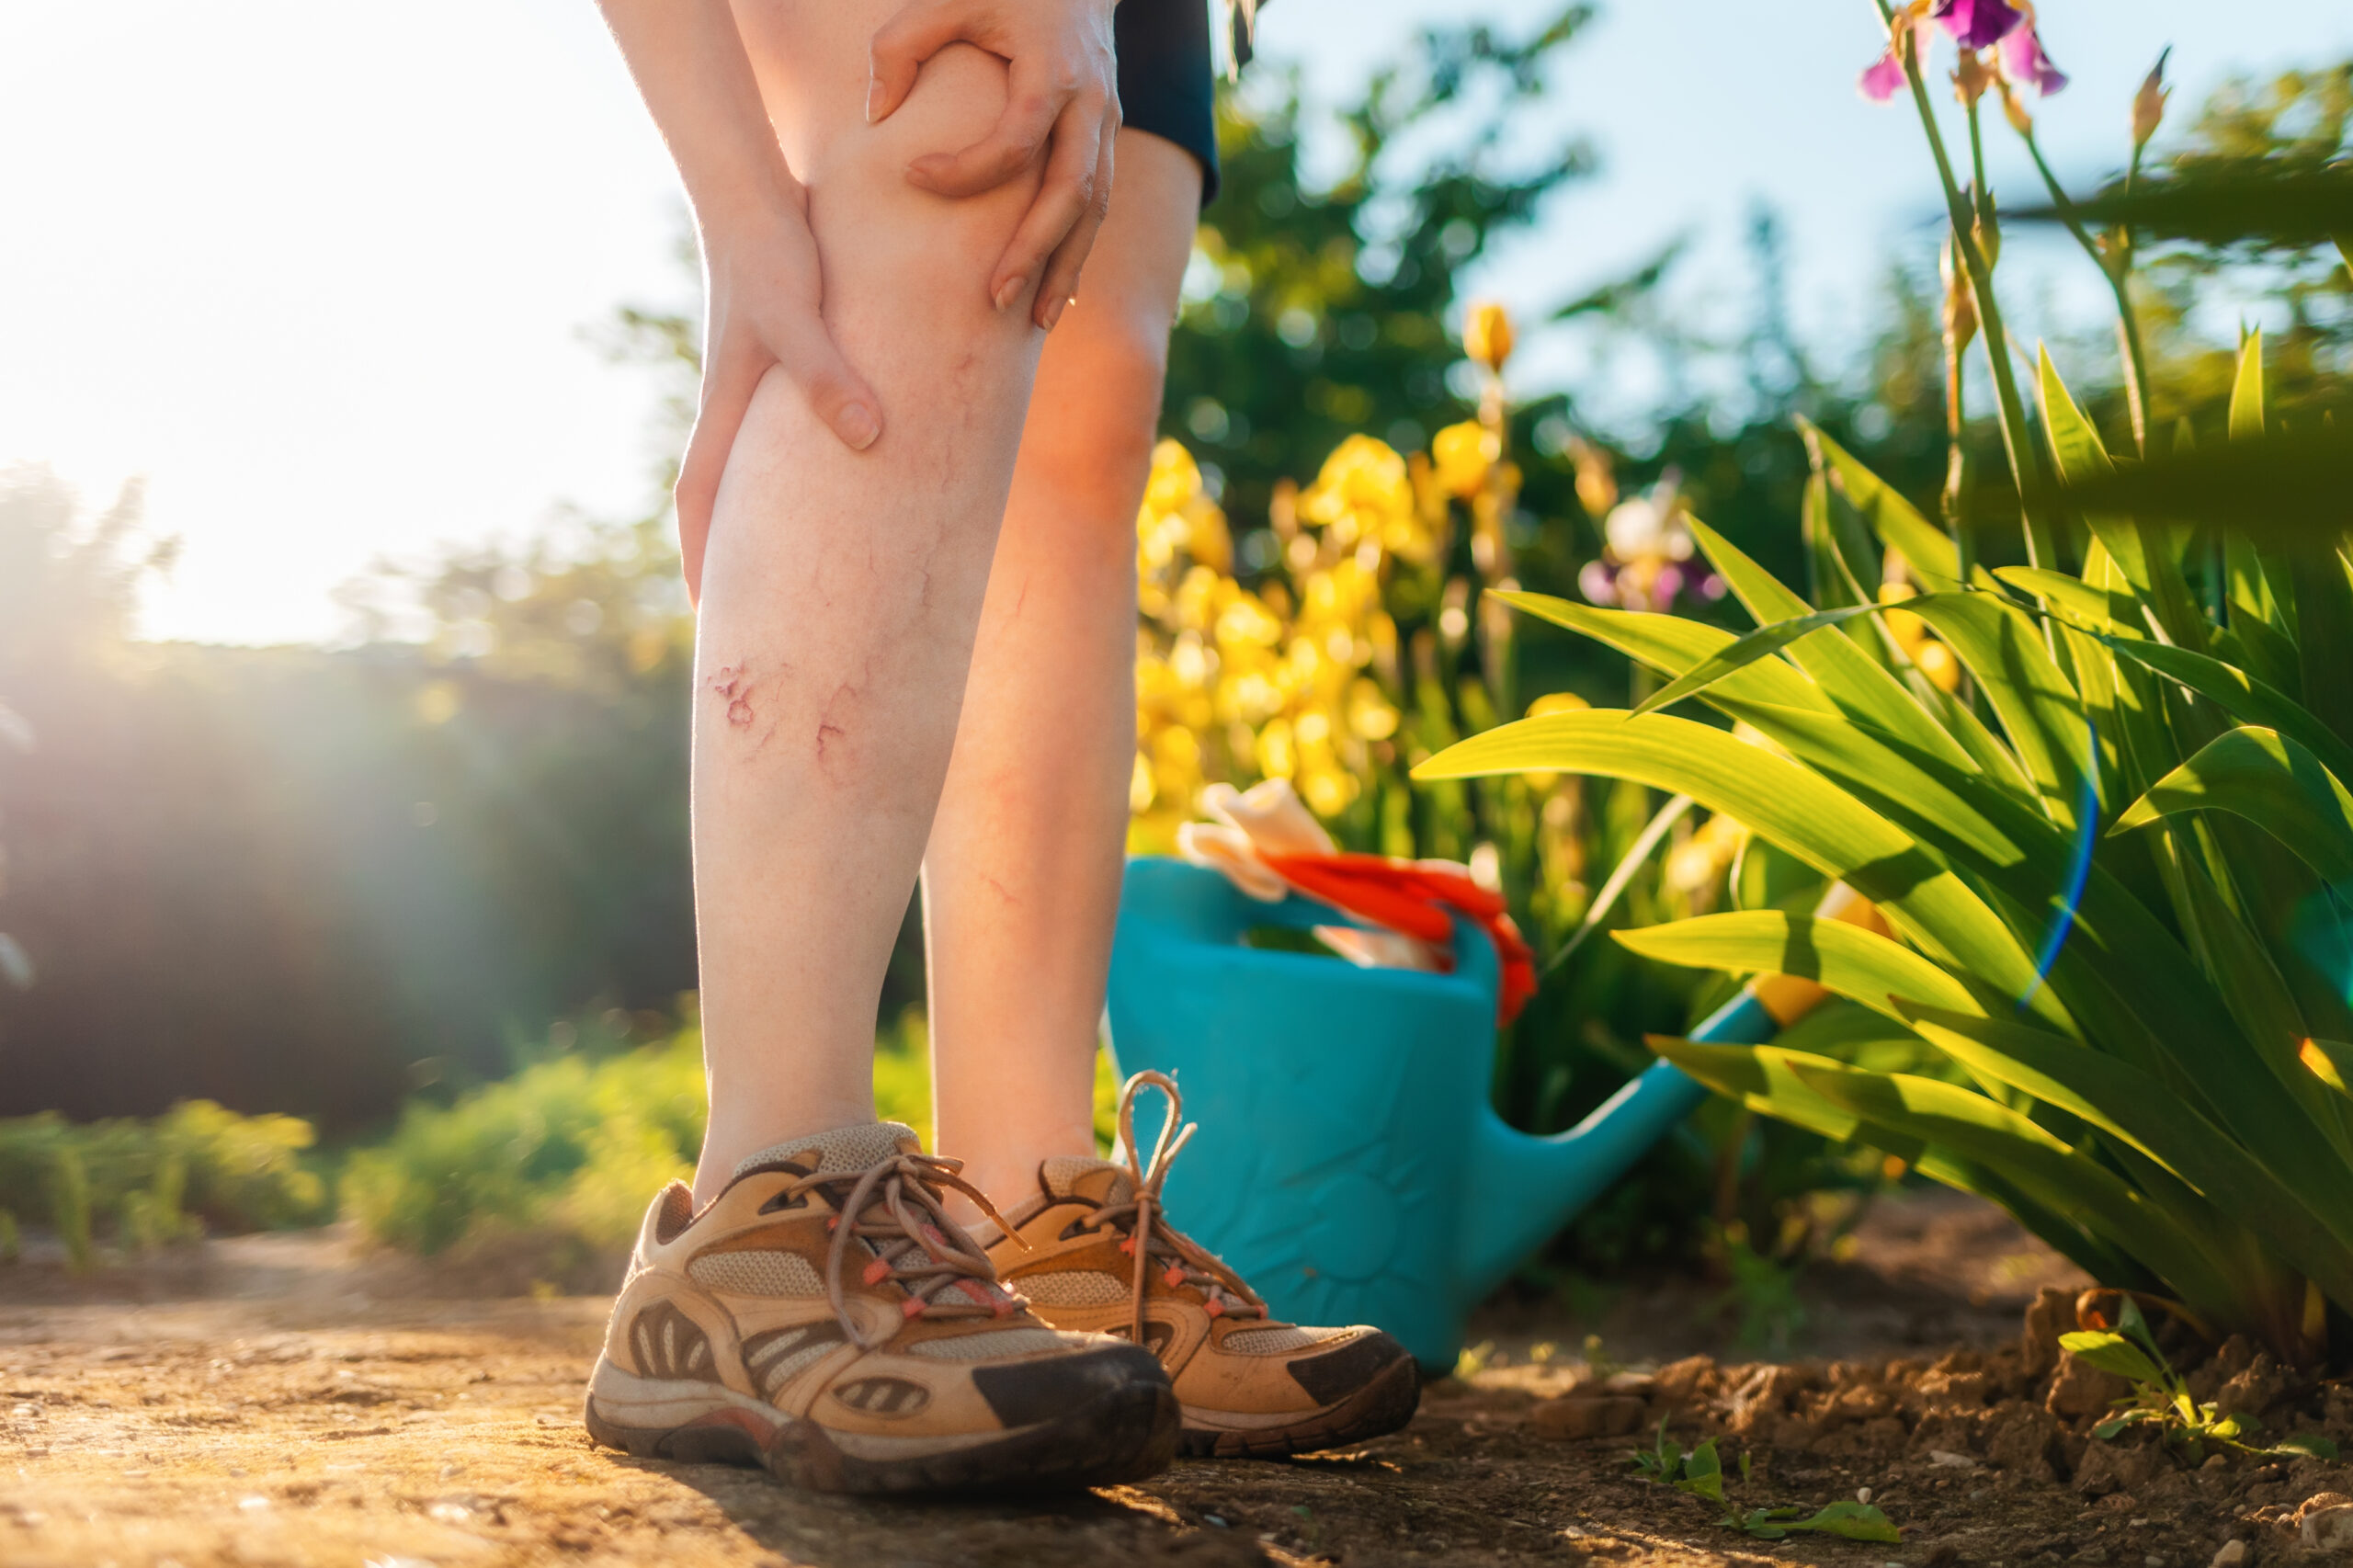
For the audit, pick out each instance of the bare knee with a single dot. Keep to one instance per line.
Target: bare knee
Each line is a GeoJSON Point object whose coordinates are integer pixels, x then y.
{"type": "Point", "coordinates": [1096, 409]}
{"type": "Point", "coordinates": [855, 173]}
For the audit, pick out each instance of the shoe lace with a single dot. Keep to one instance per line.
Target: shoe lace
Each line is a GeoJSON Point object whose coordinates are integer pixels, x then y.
{"type": "Point", "coordinates": [1151, 1239]}
{"type": "Point", "coordinates": [894, 1207]}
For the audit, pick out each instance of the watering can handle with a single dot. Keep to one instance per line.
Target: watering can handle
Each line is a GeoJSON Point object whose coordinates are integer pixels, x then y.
{"type": "Point", "coordinates": [1226, 921]}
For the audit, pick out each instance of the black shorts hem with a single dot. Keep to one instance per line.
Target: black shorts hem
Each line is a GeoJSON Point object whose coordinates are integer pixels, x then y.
{"type": "Point", "coordinates": [1166, 85]}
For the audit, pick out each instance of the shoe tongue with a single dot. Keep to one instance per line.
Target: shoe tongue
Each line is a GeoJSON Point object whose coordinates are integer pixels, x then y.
{"type": "Point", "coordinates": [1095, 1181]}
{"type": "Point", "coordinates": [842, 1151]}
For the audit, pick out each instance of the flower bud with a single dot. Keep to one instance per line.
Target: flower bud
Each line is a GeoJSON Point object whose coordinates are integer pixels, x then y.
{"type": "Point", "coordinates": [1988, 232]}
{"type": "Point", "coordinates": [2020, 121]}
{"type": "Point", "coordinates": [1960, 301]}
{"type": "Point", "coordinates": [2149, 103]}
{"type": "Point", "coordinates": [1971, 77]}
{"type": "Point", "coordinates": [1487, 335]}
{"type": "Point", "coordinates": [1597, 480]}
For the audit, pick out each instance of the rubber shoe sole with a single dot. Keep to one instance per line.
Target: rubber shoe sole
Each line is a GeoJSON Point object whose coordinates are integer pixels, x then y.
{"type": "Point", "coordinates": [1381, 1406]}
{"type": "Point", "coordinates": [1124, 1432]}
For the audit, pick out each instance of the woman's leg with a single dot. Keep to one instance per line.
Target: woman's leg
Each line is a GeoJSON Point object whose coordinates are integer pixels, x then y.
{"type": "Point", "coordinates": [1021, 881]}
{"type": "Point", "coordinates": [841, 589]}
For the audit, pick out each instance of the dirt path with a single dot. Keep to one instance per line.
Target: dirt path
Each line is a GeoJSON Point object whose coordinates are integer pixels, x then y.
{"type": "Point", "coordinates": [294, 1411]}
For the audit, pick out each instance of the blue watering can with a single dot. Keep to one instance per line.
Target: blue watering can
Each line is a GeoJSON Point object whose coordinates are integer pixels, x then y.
{"type": "Point", "coordinates": [1349, 1164]}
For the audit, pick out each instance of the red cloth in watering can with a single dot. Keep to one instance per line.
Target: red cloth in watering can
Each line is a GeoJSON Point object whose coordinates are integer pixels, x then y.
{"type": "Point", "coordinates": [1414, 897]}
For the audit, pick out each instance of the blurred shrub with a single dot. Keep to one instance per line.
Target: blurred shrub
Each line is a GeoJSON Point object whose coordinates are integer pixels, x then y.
{"type": "Point", "coordinates": [146, 1183]}
{"type": "Point", "coordinates": [571, 1148]}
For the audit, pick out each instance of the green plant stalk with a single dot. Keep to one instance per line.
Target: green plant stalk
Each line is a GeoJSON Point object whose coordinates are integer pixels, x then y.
{"type": "Point", "coordinates": [69, 1207]}
{"type": "Point", "coordinates": [2119, 275]}
{"type": "Point", "coordinates": [2017, 437]}
{"type": "Point", "coordinates": [1956, 495]}
{"type": "Point", "coordinates": [1980, 192]}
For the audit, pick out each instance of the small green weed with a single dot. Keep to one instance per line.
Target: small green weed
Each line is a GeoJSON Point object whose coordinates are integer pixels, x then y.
{"type": "Point", "coordinates": [1700, 1472]}
{"type": "Point", "coordinates": [2161, 1399]}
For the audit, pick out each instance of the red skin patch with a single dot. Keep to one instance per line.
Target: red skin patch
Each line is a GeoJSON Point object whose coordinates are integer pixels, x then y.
{"type": "Point", "coordinates": [733, 687]}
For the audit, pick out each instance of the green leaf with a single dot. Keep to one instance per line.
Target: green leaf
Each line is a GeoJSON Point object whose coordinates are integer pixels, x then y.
{"type": "Point", "coordinates": [2247, 390]}
{"type": "Point", "coordinates": [2055, 1175]}
{"type": "Point", "coordinates": [2143, 556]}
{"type": "Point", "coordinates": [1851, 1521]}
{"type": "Point", "coordinates": [2113, 1353]}
{"type": "Point", "coordinates": [2243, 697]}
{"type": "Point", "coordinates": [2097, 610]}
{"type": "Point", "coordinates": [1898, 523]}
{"type": "Point", "coordinates": [1703, 1473]}
{"type": "Point", "coordinates": [2261, 775]}
{"type": "Point", "coordinates": [1858, 964]}
{"type": "Point", "coordinates": [2321, 581]}
{"type": "Point", "coordinates": [1790, 806]}
{"type": "Point", "coordinates": [2308, 1443]}
{"type": "Point", "coordinates": [1746, 651]}
{"type": "Point", "coordinates": [2135, 1109]}
{"type": "Point", "coordinates": [2040, 709]}
{"type": "Point", "coordinates": [1670, 644]}
{"type": "Point", "coordinates": [1761, 1078]}
{"type": "Point", "coordinates": [1858, 684]}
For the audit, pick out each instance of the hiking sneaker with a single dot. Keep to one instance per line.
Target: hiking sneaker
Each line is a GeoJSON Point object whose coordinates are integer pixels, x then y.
{"type": "Point", "coordinates": [1101, 1256]}
{"type": "Point", "coordinates": [824, 1318]}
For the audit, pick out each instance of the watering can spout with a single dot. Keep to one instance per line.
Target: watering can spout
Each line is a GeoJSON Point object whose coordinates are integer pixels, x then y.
{"type": "Point", "coordinates": [1521, 1188]}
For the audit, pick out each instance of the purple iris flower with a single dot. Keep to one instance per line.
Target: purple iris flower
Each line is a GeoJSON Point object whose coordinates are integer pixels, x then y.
{"type": "Point", "coordinates": [1884, 79]}
{"type": "Point", "coordinates": [1976, 24]}
{"type": "Point", "coordinates": [2023, 60]}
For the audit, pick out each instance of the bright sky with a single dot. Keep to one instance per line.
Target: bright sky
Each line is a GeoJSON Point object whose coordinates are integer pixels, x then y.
{"type": "Point", "coordinates": [321, 272]}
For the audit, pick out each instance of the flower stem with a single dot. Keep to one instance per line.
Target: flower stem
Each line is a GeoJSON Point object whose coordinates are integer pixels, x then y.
{"type": "Point", "coordinates": [1956, 461]}
{"type": "Point", "coordinates": [1978, 189]}
{"type": "Point", "coordinates": [2119, 273]}
{"type": "Point", "coordinates": [2017, 436]}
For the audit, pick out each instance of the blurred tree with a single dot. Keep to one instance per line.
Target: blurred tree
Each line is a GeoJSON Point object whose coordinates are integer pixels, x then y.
{"type": "Point", "coordinates": [2297, 117]}
{"type": "Point", "coordinates": [1315, 313]}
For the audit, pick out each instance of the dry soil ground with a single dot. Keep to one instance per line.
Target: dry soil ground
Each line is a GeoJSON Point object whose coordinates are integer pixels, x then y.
{"type": "Point", "coordinates": [273, 1400]}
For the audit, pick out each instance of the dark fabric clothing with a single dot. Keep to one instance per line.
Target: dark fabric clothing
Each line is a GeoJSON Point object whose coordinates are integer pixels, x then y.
{"type": "Point", "coordinates": [1165, 76]}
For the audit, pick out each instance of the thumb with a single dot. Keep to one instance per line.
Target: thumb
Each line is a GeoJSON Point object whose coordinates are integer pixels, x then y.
{"type": "Point", "coordinates": [918, 31]}
{"type": "Point", "coordinates": [837, 394]}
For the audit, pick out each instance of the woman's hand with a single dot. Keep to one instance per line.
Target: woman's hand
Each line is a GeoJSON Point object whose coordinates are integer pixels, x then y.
{"type": "Point", "coordinates": [762, 294]}
{"type": "Point", "coordinates": [1063, 103]}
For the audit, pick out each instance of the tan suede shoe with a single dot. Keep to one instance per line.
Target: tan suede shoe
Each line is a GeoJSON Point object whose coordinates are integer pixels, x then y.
{"type": "Point", "coordinates": [824, 1317]}
{"type": "Point", "coordinates": [1101, 1257]}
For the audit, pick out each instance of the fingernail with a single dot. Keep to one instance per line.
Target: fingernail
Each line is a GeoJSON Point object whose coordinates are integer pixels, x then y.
{"type": "Point", "coordinates": [1053, 313]}
{"type": "Point", "coordinates": [857, 426]}
{"type": "Point", "coordinates": [873, 99]}
{"type": "Point", "coordinates": [1008, 291]}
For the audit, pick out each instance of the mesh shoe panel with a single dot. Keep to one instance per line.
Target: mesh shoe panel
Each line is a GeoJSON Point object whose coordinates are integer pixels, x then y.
{"type": "Point", "coordinates": [1075, 1288]}
{"type": "Point", "coordinates": [1276, 1339]}
{"type": "Point", "coordinates": [1061, 1174]}
{"type": "Point", "coordinates": [988, 1346]}
{"type": "Point", "coordinates": [844, 1149]}
{"type": "Point", "coordinates": [758, 1273]}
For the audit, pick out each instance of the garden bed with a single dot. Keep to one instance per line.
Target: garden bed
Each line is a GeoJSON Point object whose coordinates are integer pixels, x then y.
{"type": "Point", "coordinates": [282, 1400]}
